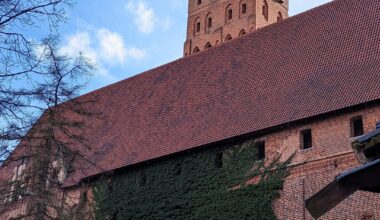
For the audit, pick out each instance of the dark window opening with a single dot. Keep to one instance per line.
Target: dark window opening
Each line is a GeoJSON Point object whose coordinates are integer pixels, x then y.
{"type": "Point", "coordinates": [229, 14]}
{"type": "Point", "coordinates": [219, 160]}
{"type": "Point", "coordinates": [196, 50]}
{"type": "Point", "coordinates": [198, 27]}
{"type": "Point", "coordinates": [109, 187]}
{"type": "Point", "coordinates": [265, 10]}
{"type": "Point", "coordinates": [357, 128]}
{"type": "Point", "coordinates": [260, 150]}
{"type": "Point", "coordinates": [279, 17]}
{"type": "Point", "coordinates": [199, 2]}
{"type": "Point", "coordinates": [244, 8]}
{"type": "Point", "coordinates": [142, 179]}
{"type": "Point", "coordinates": [209, 22]}
{"type": "Point", "coordinates": [178, 169]}
{"type": "Point", "coordinates": [307, 139]}
{"type": "Point", "coordinates": [228, 38]}
{"type": "Point", "coordinates": [114, 216]}
{"type": "Point", "coordinates": [208, 45]}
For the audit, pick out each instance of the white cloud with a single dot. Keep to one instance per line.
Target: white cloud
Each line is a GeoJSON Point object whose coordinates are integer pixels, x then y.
{"type": "Point", "coordinates": [135, 53]}
{"type": "Point", "coordinates": [80, 43]}
{"type": "Point", "coordinates": [105, 50]}
{"type": "Point", "coordinates": [112, 46]}
{"type": "Point", "coordinates": [145, 18]}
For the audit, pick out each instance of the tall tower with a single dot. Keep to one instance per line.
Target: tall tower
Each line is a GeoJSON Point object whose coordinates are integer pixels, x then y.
{"type": "Point", "coordinates": [212, 22]}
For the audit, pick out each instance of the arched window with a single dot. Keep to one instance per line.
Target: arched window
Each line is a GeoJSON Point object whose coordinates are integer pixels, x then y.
{"type": "Point", "coordinates": [208, 45]}
{"type": "Point", "coordinates": [228, 37]}
{"type": "Point", "coordinates": [196, 50]}
{"type": "Point", "coordinates": [208, 21]}
{"type": "Point", "coordinates": [243, 8]}
{"type": "Point", "coordinates": [199, 2]}
{"type": "Point", "coordinates": [197, 26]}
{"type": "Point", "coordinates": [242, 32]}
{"type": "Point", "coordinates": [229, 14]}
{"type": "Point", "coordinates": [265, 10]}
{"type": "Point", "coordinates": [279, 17]}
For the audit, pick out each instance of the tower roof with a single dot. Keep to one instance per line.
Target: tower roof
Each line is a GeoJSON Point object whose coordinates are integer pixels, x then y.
{"type": "Point", "coordinates": [318, 62]}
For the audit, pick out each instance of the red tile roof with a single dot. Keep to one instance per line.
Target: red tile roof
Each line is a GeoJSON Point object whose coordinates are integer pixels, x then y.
{"type": "Point", "coordinates": [317, 62]}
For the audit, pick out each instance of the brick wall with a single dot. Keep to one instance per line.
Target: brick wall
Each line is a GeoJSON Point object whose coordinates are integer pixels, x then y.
{"type": "Point", "coordinates": [315, 168]}
{"type": "Point", "coordinates": [222, 26]}
{"type": "Point", "coordinates": [14, 210]}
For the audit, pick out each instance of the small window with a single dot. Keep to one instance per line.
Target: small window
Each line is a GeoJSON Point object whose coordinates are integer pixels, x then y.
{"type": "Point", "coordinates": [198, 27]}
{"type": "Point", "coordinates": [244, 8]}
{"type": "Point", "coordinates": [178, 169]}
{"type": "Point", "coordinates": [279, 17]}
{"type": "Point", "coordinates": [260, 150]}
{"type": "Point", "coordinates": [196, 50]}
{"type": "Point", "coordinates": [199, 2]}
{"type": "Point", "coordinates": [209, 22]}
{"type": "Point", "coordinates": [265, 10]}
{"type": "Point", "coordinates": [228, 38]}
{"type": "Point", "coordinates": [229, 14]}
{"type": "Point", "coordinates": [306, 139]}
{"type": "Point", "coordinates": [219, 160]}
{"type": "Point", "coordinates": [142, 179]}
{"type": "Point", "coordinates": [242, 32]}
{"type": "Point", "coordinates": [208, 45]}
{"type": "Point", "coordinates": [357, 128]}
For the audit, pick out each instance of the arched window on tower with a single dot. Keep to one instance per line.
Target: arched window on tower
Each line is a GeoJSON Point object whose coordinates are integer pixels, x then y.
{"type": "Point", "coordinates": [242, 32]}
{"type": "Point", "coordinates": [199, 2]}
{"type": "Point", "coordinates": [208, 45]}
{"type": "Point", "coordinates": [229, 14]}
{"type": "Point", "coordinates": [197, 26]}
{"type": "Point", "coordinates": [279, 17]}
{"type": "Point", "coordinates": [196, 50]}
{"type": "Point", "coordinates": [208, 21]}
{"type": "Point", "coordinates": [243, 8]}
{"type": "Point", "coordinates": [228, 37]}
{"type": "Point", "coordinates": [265, 10]}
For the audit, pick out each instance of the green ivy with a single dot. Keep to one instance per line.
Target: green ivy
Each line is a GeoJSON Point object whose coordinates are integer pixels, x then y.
{"type": "Point", "coordinates": [208, 184]}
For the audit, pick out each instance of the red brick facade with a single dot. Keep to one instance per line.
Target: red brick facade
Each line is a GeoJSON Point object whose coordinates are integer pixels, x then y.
{"type": "Point", "coordinates": [315, 168]}
{"type": "Point", "coordinates": [212, 22]}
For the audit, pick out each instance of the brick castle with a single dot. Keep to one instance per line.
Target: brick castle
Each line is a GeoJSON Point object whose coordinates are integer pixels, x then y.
{"type": "Point", "coordinates": [213, 22]}
{"type": "Point", "coordinates": [304, 84]}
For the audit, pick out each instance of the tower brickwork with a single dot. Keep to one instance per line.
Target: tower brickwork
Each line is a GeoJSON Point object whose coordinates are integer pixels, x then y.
{"type": "Point", "coordinates": [212, 22]}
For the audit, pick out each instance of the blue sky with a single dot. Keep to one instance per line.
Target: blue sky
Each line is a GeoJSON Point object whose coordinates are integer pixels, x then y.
{"type": "Point", "coordinates": [127, 37]}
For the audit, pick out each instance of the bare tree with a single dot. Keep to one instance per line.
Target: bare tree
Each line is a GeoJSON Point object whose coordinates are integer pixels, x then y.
{"type": "Point", "coordinates": [39, 112]}
{"type": "Point", "coordinates": [20, 62]}
{"type": "Point", "coordinates": [45, 154]}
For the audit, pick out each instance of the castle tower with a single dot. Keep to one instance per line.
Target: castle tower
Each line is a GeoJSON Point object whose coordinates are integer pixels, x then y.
{"type": "Point", "coordinates": [212, 22]}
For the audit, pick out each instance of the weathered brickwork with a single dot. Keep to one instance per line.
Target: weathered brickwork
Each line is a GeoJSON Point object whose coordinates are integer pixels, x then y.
{"type": "Point", "coordinates": [212, 22]}
{"type": "Point", "coordinates": [315, 168]}
{"type": "Point", "coordinates": [15, 210]}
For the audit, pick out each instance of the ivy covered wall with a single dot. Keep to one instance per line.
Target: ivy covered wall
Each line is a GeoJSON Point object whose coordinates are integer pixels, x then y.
{"type": "Point", "coordinates": [208, 184]}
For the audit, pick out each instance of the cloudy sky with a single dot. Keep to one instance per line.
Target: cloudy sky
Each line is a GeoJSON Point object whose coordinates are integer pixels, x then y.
{"type": "Point", "coordinates": [127, 37]}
